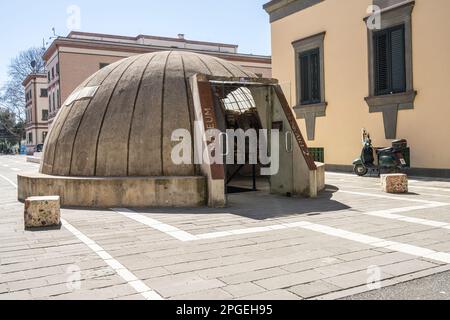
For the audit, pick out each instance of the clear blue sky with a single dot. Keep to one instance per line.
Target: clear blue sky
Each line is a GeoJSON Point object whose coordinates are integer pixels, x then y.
{"type": "Point", "coordinates": [25, 23]}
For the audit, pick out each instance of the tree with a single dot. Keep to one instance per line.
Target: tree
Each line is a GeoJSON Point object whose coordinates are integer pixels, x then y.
{"type": "Point", "coordinates": [12, 95]}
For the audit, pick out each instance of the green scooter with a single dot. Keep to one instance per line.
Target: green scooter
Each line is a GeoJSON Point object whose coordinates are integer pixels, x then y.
{"type": "Point", "coordinates": [389, 160]}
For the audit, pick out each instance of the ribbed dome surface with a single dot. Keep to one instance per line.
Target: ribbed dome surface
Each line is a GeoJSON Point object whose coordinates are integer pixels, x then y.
{"type": "Point", "coordinates": [125, 128]}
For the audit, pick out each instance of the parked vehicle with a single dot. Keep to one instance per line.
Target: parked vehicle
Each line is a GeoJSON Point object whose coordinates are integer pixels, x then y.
{"type": "Point", "coordinates": [39, 148]}
{"type": "Point", "coordinates": [382, 160]}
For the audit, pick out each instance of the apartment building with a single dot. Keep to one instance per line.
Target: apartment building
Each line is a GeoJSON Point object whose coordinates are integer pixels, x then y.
{"type": "Point", "coordinates": [381, 65]}
{"type": "Point", "coordinates": [37, 109]}
{"type": "Point", "coordinates": [72, 59]}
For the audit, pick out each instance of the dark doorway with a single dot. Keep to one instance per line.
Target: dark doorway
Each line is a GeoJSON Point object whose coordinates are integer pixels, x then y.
{"type": "Point", "coordinates": [236, 109]}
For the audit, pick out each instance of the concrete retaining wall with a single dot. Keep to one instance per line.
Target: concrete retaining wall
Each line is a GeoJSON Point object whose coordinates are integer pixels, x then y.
{"type": "Point", "coordinates": [116, 192]}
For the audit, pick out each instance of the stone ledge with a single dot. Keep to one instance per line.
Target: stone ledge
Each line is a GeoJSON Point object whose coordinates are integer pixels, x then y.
{"type": "Point", "coordinates": [132, 192]}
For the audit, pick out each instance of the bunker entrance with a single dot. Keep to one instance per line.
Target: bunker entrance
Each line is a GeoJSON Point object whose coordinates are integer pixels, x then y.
{"type": "Point", "coordinates": [243, 122]}
{"type": "Point", "coordinates": [261, 147]}
{"type": "Point", "coordinates": [259, 152]}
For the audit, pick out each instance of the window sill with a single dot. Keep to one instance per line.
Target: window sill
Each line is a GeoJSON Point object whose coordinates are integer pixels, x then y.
{"type": "Point", "coordinates": [404, 101]}
{"type": "Point", "coordinates": [319, 109]}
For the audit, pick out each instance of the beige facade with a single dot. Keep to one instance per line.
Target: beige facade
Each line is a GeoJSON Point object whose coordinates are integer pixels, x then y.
{"type": "Point", "coordinates": [72, 59]}
{"type": "Point", "coordinates": [36, 94]}
{"type": "Point", "coordinates": [420, 114]}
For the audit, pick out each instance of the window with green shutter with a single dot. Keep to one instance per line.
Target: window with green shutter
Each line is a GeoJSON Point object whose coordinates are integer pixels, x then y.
{"type": "Point", "coordinates": [389, 54]}
{"type": "Point", "coordinates": [310, 77]}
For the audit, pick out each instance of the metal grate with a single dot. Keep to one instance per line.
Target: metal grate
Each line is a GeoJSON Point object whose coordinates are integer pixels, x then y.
{"type": "Point", "coordinates": [318, 154]}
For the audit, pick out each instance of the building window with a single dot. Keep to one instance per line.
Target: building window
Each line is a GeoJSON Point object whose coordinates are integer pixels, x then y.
{"type": "Point", "coordinates": [103, 65]}
{"type": "Point", "coordinates": [48, 76]}
{"type": "Point", "coordinates": [44, 115]}
{"type": "Point", "coordinates": [318, 154]}
{"type": "Point", "coordinates": [310, 80]}
{"type": "Point", "coordinates": [30, 137]}
{"type": "Point", "coordinates": [310, 77]}
{"type": "Point", "coordinates": [53, 73]}
{"type": "Point", "coordinates": [389, 60]}
{"type": "Point", "coordinates": [391, 87]}
{"type": "Point", "coordinates": [57, 98]}
{"type": "Point", "coordinates": [44, 93]}
{"type": "Point", "coordinates": [50, 103]}
{"type": "Point", "coordinates": [57, 68]}
{"type": "Point", "coordinates": [54, 101]}
{"type": "Point", "coordinates": [44, 136]}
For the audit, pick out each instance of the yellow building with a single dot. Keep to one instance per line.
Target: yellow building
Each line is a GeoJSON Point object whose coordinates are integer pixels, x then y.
{"type": "Point", "coordinates": [382, 65]}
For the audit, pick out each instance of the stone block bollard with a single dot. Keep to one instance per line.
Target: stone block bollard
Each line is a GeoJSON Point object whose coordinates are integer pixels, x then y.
{"type": "Point", "coordinates": [42, 212]}
{"type": "Point", "coordinates": [394, 183]}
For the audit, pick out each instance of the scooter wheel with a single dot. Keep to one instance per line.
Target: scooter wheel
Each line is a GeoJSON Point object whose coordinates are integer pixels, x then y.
{"type": "Point", "coordinates": [360, 170]}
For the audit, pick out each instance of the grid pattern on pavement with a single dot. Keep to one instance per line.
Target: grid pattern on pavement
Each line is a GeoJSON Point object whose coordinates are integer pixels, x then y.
{"type": "Point", "coordinates": [327, 252]}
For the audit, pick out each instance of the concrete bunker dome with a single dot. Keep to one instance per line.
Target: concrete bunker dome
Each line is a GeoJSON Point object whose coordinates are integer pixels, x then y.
{"type": "Point", "coordinates": [119, 122]}
{"type": "Point", "coordinates": [111, 143]}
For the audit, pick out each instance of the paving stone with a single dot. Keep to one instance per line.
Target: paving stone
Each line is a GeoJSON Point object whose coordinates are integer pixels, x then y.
{"type": "Point", "coordinates": [151, 273]}
{"type": "Point", "coordinates": [289, 280]}
{"type": "Point", "coordinates": [20, 295]}
{"type": "Point", "coordinates": [49, 291]}
{"type": "Point", "coordinates": [406, 267]}
{"type": "Point", "coordinates": [354, 279]}
{"type": "Point", "coordinates": [27, 284]}
{"type": "Point", "coordinates": [213, 294]}
{"type": "Point", "coordinates": [253, 276]}
{"type": "Point", "coordinates": [133, 297]}
{"type": "Point", "coordinates": [170, 286]}
{"type": "Point", "coordinates": [4, 288]}
{"type": "Point", "coordinates": [358, 255]}
{"type": "Point", "coordinates": [243, 289]}
{"type": "Point", "coordinates": [311, 264]}
{"type": "Point", "coordinates": [273, 296]}
{"type": "Point", "coordinates": [314, 289]}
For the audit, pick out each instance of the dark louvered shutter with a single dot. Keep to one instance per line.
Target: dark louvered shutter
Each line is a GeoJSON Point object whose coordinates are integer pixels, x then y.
{"type": "Point", "coordinates": [315, 76]}
{"type": "Point", "coordinates": [398, 59]}
{"type": "Point", "coordinates": [310, 77]}
{"type": "Point", "coordinates": [381, 63]}
{"type": "Point", "coordinates": [389, 61]}
{"type": "Point", "coordinates": [304, 78]}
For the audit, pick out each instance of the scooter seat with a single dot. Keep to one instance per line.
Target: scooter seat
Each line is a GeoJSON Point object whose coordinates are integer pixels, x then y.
{"type": "Point", "coordinates": [385, 150]}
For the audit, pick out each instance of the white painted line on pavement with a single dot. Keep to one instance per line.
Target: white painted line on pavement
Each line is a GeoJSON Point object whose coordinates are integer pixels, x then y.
{"type": "Point", "coordinates": [339, 233]}
{"type": "Point", "coordinates": [391, 214]}
{"type": "Point", "coordinates": [123, 272]}
{"type": "Point", "coordinates": [157, 225]}
{"type": "Point", "coordinates": [397, 198]}
{"type": "Point", "coordinates": [337, 174]}
{"type": "Point", "coordinates": [429, 188]}
{"type": "Point", "coordinates": [380, 243]}
{"type": "Point", "coordinates": [8, 180]}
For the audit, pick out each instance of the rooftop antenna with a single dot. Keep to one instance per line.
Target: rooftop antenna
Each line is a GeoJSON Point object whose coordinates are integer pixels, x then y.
{"type": "Point", "coordinates": [54, 36]}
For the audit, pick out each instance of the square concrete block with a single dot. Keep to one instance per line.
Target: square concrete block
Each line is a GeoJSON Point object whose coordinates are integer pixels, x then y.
{"type": "Point", "coordinates": [394, 183]}
{"type": "Point", "coordinates": [42, 212]}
